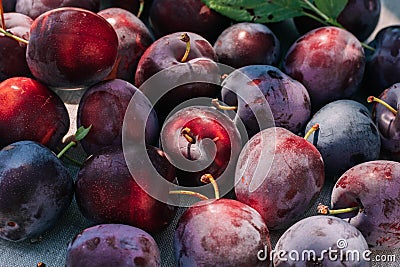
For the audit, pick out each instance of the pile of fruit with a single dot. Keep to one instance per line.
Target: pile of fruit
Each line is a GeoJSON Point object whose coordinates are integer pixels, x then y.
{"type": "Point", "coordinates": [201, 130]}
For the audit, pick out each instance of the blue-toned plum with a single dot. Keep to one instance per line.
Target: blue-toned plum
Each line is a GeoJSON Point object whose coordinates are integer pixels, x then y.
{"type": "Point", "coordinates": [113, 245]}
{"type": "Point", "coordinates": [35, 190]}
{"type": "Point", "coordinates": [346, 137]}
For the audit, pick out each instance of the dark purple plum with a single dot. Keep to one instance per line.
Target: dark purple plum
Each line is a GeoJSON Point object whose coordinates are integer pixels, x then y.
{"type": "Point", "coordinates": [280, 175]}
{"type": "Point", "coordinates": [35, 190]}
{"type": "Point", "coordinates": [63, 54]}
{"type": "Point", "coordinates": [288, 99]}
{"type": "Point", "coordinates": [329, 62]}
{"type": "Point", "coordinates": [34, 8]}
{"type": "Point", "coordinates": [382, 68]}
{"type": "Point", "coordinates": [321, 241]}
{"type": "Point", "coordinates": [169, 16]}
{"type": "Point", "coordinates": [222, 232]}
{"type": "Point", "coordinates": [113, 245]}
{"type": "Point", "coordinates": [245, 43]}
{"type": "Point", "coordinates": [360, 17]}
{"type": "Point", "coordinates": [104, 106]}
{"type": "Point", "coordinates": [176, 80]}
{"type": "Point", "coordinates": [133, 40]}
{"type": "Point", "coordinates": [12, 53]}
{"type": "Point", "coordinates": [388, 123]}
{"type": "Point", "coordinates": [374, 187]}
{"type": "Point", "coordinates": [346, 137]}
{"type": "Point", "coordinates": [106, 191]}
{"type": "Point", "coordinates": [9, 5]}
{"type": "Point", "coordinates": [31, 111]}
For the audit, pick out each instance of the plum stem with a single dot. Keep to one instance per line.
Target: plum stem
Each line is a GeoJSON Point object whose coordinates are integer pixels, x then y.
{"type": "Point", "coordinates": [323, 209]}
{"type": "Point", "coordinates": [79, 135]}
{"type": "Point", "coordinates": [40, 263]}
{"type": "Point", "coordinates": [313, 129]}
{"type": "Point", "coordinates": [371, 99]}
{"type": "Point", "coordinates": [189, 193]}
{"type": "Point", "coordinates": [8, 34]}
{"type": "Point", "coordinates": [3, 23]}
{"type": "Point", "coordinates": [216, 103]}
{"type": "Point", "coordinates": [185, 38]}
{"type": "Point", "coordinates": [185, 133]}
{"type": "Point", "coordinates": [208, 178]}
{"type": "Point", "coordinates": [141, 7]}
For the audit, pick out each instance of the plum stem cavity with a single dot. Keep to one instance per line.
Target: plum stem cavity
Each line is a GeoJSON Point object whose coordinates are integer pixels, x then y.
{"type": "Point", "coordinates": [371, 99]}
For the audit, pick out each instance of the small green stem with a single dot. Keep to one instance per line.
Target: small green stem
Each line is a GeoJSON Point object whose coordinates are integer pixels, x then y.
{"type": "Point", "coordinates": [189, 193]}
{"type": "Point", "coordinates": [315, 18]}
{"type": "Point", "coordinates": [65, 149]}
{"type": "Point", "coordinates": [323, 209]}
{"type": "Point", "coordinates": [367, 46]}
{"type": "Point", "coordinates": [141, 7]}
{"type": "Point", "coordinates": [319, 12]}
{"type": "Point", "coordinates": [6, 33]}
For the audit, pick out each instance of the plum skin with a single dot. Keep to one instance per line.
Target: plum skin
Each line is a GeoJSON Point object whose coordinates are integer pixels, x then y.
{"type": "Point", "coordinates": [319, 233]}
{"type": "Point", "coordinates": [66, 55]}
{"type": "Point", "coordinates": [112, 245]}
{"type": "Point", "coordinates": [329, 62]}
{"type": "Point", "coordinates": [36, 190]}
{"type": "Point", "coordinates": [290, 171]}
{"type": "Point", "coordinates": [373, 186]}
{"type": "Point", "coordinates": [222, 232]}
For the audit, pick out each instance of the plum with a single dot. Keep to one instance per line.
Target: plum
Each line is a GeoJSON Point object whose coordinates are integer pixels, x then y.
{"type": "Point", "coordinates": [107, 192]}
{"type": "Point", "coordinates": [113, 245]}
{"type": "Point", "coordinates": [104, 106]}
{"type": "Point", "coordinates": [286, 98]}
{"type": "Point", "coordinates": [346, 137]}
{"type": "Point", "coordinates": [35, 190]}
{"type": "Point", "coordinates": [63, 54]}
{"type": "Point", "coordinates": [329, 62]}
{"type": "Point", "coordinates": [133, 40]}
{"type": "Point", "coordinates": [34, 8]}
{"type": "Point", "coordinates": [12, 53]}
{"type": "Point", "coordinates": [280, 175]}
{"type": "Point", "coordinates": [31, 111]}
{"type": "Point", "coordinates": [373, 187]}
{"type": "Point", "coordinates": [245, 43]}
{"type": "Point", "coordinates": [321, 241]}
{"type": "Point", "coordinates": [222, 232]}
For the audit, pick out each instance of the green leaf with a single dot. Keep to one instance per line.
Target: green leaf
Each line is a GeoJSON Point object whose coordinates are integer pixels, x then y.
{"type": "Point", "coordinates": [82, 132]}
{"type": "Point", "coordinates": [261, 11]}
{"type": "Point", "coordinates": [331, 8]}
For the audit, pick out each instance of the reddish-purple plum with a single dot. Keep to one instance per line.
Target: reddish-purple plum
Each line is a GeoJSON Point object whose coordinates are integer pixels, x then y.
{"type": "Point", "coordinates": [280, 175]}
{"type": "Point", "coordinates": [106, 192]}
{"type": "Point", "coordinates": [104, 106]}
{"type": "Point", "coordinates": [382, 68]}
{"type": "Point", "coordinates": [346, 137]}
{"type": "Point", "coordinates": [359, 17]}
{"type": "Point", "coordinates": [329, 62]}
{"type": "Point", "coordinates": [222, 232]}
{"type": "Point", "coordinates": [176, 80]}
{"type": "Point", "coordinates": [374, 187]}
{"type": "Point", "coordinates": [245, 43]}
{"type": "Point", "coordinates": [287, 99]}
{"type": "Point", "coordinates": [113, 245]}
{"type": "Point", "coordinates": [200, 140]}
{"type": "Point", "coordinates": [169, 16]}
{"type": "Point", "coordinates": [31, 111]}
{"type": "Point", "coordinates": [62, 53]}
{"type": "Point", "coordinates": [388, 123]}
{"type": "Point", "coordinates": [133, 40]}
{"type": "Point", "coordinates": [35, 190]}
{"type": "Point", "coordinates": [12, 53]}
{"type": "Point", "coordinates": [321, 241]}
{"type": "Point", "coordinates": [34, 8]}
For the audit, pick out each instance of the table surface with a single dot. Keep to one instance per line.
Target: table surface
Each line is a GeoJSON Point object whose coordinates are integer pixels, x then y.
{"type": "Point", "coordinates": [51, 248]}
